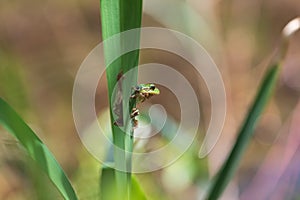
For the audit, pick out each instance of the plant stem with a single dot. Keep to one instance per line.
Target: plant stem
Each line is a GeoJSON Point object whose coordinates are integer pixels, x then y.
{"type": "Point", "coordinates": [229, 167]}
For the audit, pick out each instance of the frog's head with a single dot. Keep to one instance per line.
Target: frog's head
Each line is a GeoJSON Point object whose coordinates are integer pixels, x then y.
{"type": "Point", "coordinates": [152, 89]}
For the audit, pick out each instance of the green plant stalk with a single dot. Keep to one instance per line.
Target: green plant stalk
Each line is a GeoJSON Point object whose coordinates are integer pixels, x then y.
{"type": "Point", "coordinates": [131, 17]}
{"type": "Point", "coordinates": [118, 16]}
{"type": "Point", "coordinates": [36, 149]}
{"type": "Point", "coordinates": [230, 166]}
{"type": "Point", "coordinates": [110, 18]}
{"type": "Point", "coordinates": [129, 148]}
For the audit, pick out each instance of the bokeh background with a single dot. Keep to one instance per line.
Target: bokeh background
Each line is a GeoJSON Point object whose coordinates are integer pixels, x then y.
{"type": "Point", "coordinates": [42, 44]}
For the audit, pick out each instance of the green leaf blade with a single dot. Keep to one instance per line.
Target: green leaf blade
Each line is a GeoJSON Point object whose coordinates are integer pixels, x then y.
{"type": "Point", "coordinates": [36, 149]}
{"type": "Point", "coordinates": [118, 16]}
{"type": "Point", "coordinates": [230, 166]}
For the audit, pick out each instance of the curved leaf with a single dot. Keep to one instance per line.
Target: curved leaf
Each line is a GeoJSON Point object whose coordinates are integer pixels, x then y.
{"type": "Point", "coordinates": [229, 167]}
{"type": "Point", "coordinates": [36, 149]}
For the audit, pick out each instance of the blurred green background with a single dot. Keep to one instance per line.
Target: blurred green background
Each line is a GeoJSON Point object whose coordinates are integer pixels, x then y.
{"type": "Point", "coordinates": [42, 44]}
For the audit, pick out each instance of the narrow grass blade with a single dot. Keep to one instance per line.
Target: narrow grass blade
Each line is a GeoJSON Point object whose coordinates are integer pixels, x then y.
{"type": "Point", "coordinates": [118, 16]}
{"type": "Point", "coordinates": [36, 149]}
{"type": "Point", "coordinates": [110, 19]}
{"type": "Point", "coordinates": [229, 167]}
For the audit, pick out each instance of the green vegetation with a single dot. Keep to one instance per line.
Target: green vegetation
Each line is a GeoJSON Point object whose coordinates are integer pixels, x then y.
{"type": "Point", "coordinates": [117, 182]}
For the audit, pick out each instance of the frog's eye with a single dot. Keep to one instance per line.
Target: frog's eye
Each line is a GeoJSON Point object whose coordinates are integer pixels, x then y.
{"type": "Point", "coordinates": [152, 87]}
{"type": "Point", "coordinates": [137, 88]}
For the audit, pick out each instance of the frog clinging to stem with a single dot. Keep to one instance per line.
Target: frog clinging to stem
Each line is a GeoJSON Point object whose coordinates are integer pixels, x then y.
{"type": "Point", "coordinates": [140, 93]}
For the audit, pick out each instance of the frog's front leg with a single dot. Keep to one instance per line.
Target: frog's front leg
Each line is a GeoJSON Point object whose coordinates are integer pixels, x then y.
{"type": "Point", "coordinates": [135, 92]}
{"type": "Point", "coordinates": [134, 95]}
{"type": "Point", "coordinates": [140, 97]}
